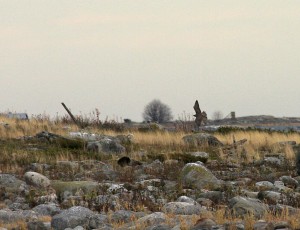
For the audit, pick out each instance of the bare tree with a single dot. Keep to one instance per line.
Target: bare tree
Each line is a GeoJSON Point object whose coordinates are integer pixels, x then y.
{"type": "Point", "coordinates": [217, 115]}
{"type": "Point", "coordinates": [156, 111]}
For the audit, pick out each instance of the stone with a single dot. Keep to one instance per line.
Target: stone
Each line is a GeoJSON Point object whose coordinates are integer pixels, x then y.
{"type": "Point", "coordinates": [160, 227]}
{"type": "Point", "coordinates": [10, 183]}
{"type": "Point", "coordinates": [272, 161]}
{"type": "Point", "coordinates": [198, 156]}
{"type": "Point", "coordinates": [204, 223]}
{"type": "Point", "coordinates": [183, 208]}
{"type": "Point", "coordinates": [73, 186]}
{"type": "Point", "coordinates": [38, 225]}
{"type": "Point", "coordinates": [154, 218]}
{"type": "Point", "coordinates": [289, 181]}
{"type": "Point", "coordinates": [106, 145]}
{"type": "Point", "coordinates": [279, 186]}
{"type": "Point", "coordinates": [263, 225]}
{"type": "Point", "coordinates": [283, 225]}
{"type": "Point", "coordinates": [196, 175]}
{"type": "Point", "coordinates": [71, 218]}
{"type": "Point", "coordinates": [8, 216]}
{"type": "Point", "coordinates": [155, 167]}
{"type": "Point", "coordinates": [49, 209]}
{"type": "Point", "coordinates": [98, 220]}
{"type": "Point", "coordinates": [242, 206]}
{"type": "Point", "coordinates": [36, 179]}
{"type": "Point", "coordinates": [215, 196]}
{"type": "Point", "coordinates": [202, 139]}
{"type": "Point", "coordinates": [186, 200]}
{"type": "Point", "coordinates": [125, 216]}
{"type": "Point", "coordinates": [270, 196]}
{"type": "Point", "coordinates": [264, 185]}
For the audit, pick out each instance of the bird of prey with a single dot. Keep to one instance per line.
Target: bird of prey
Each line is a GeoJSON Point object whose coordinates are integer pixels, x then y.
{"type": "Point", "coordinates": [200, 116]}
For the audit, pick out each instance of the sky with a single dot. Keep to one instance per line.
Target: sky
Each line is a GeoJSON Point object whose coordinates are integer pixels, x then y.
{"type": "Point", "coordinates": [118, 55]}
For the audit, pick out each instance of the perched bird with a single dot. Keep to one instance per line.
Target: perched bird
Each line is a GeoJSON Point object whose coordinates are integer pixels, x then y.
{"type": "Point", "coordinates": [201, 117]}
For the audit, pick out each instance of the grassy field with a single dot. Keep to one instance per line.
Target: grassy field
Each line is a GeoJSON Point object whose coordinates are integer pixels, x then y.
{"type": "Point", "coordinates": [15, 152]}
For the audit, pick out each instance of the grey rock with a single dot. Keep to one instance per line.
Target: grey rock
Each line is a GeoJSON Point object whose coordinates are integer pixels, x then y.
{"type": "Point", "coordinates": [199, 156]}
{"type": "Point", "coordinates": [8, 216]}
{"type": "Point", "coordinates": [72, 187]}
{"type": "Point", "coordinates": [10, 182]}
{"type": "Point", "coordinates": [214, 196]}
{"type": "Point", "coordinates": [183, 208]}
{"type": "Point", "coordinates": [18, 206]}
{"type": "Point", "coordinates": [205, 202]}
{"type": "Point", "coordinates": [38, 225]}
{"type": "Point", "coordinates": [154, 167]}
{"type": "Point", "coordinates": [280, 208]}
{"type": "Point", "coordinates": [37, 167]}
{"type": "Point", "coordinates": [270, 196]}
{"type": "Point", "coordinates": [97, 221]}
{"type": "Point", "coordinates": [200, 139]}
{"type": "Point", "coordinates": [159, 227]}
{"type": "Point", "coordinates": [108, 202]}
{"type": "Point", "coordinates": [204, 223]}
{"type": "Point", "coordinates": [125, 216]}
{"type": "Point", "coordinates": [196, 175]}
{"type": "Point", "coordinates": [155, 218]}
{"type": "Point", "coordinates": [71, 218]}
{"type": "Point", "coordinates": [186, 199]}
{"type": "Point", "coordinates": [273, 161]}
{"type": "Point", "coordinates": [279, 186]}
{"type": "Point", "coordinates": [289, 181]}
{"type": "Point", "coordinates": [242, 206]}
{"type": "Point", "coordinates": [125, 139]}
{"type": "Point", "coordinates": [36, 179]}
{"type": "Point", "coordinates": [264, 185]}
{"type": "Point", "coordinates": [263, 225]}
{"type": "Point", "coordinates": [283, 225]}
{"type": "Point", "coordinates": [50, 209]}
{"type": "Point", "coordinates": [106, 145]}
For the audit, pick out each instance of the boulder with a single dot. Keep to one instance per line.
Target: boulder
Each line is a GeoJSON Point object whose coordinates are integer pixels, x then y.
{"type": "Point", "coordinates": [97, 221]}
{"type": "Point", "coordinates": [263, 225]}
{"type": "Point", "coordinates": [106, 145]}
{"type": "Point", "coordinates": [8, 216]}
{"type": "Point", "coordinates": [269, 196]}
{"type": "Point", "coordinates": [196, 175]}
{"type": "Point", "coordinates": [50, 209]}
{"type": "Point", "coordinates": [199, 156]}
{"type": "Point", "coordinates": [155, 218]}
{"type": "Point", "coordinates": [36, 179]}
{"type": "Point", "coordinates": [73, 186]}
{"type": "Point", "coordinates": [241, 206]}
{"type": "Point", "coordinates": [200, 139]}
{"type": "Point", "coordinates": [289, 181]}
{"type": "Point", "coordinates": [204, 223]}
{"type": "Point", "coordinates": [38, 225]}
{"type": "Point", "coordinates": [183, 208]}
{"type": "Point", "coordinates": [186, 199]}
{"type": "Point", "coordinates": [215, 196]}
{"type": "Point", "coordinates": [10, 183]}
{"type": "Point", "coordinates": [264, 185]}
{"type": "Point", "coordinates": [273, 161]}
{"type": "Point", "coordinates": [124, 216]}
{"type": "Point", "coordinates": [71, 218]}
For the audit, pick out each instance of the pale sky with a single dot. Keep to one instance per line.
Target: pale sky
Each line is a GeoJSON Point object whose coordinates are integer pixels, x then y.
{"type": "Point", "coordinates": [118, 55]}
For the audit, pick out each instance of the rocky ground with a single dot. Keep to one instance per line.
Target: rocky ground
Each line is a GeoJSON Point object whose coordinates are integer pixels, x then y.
{"type": "Point", "coordinates": [137, 192]}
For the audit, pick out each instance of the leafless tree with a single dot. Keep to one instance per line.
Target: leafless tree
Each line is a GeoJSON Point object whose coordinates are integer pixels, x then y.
{"type": "Point", "coordinates": [217, 115]}
{"type": "Point", "coordinates": [156, 111]}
